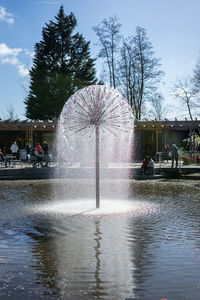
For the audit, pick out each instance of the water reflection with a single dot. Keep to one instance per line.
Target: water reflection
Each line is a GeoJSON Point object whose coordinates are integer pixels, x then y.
{"type": "Point", "coordinates": [98, 252]}
{"type": "Point", "coordinates": [146, 255]}
{"type": "Point", "coordinates": [84, 261]}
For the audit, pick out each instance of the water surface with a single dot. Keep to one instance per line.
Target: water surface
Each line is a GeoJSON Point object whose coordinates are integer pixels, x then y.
{"type": "Point", "coordinates": [55, 249]}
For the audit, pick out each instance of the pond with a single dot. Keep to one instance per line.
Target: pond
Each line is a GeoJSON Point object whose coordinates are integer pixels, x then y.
{"type": "Point", "coordinates": [57, 247]}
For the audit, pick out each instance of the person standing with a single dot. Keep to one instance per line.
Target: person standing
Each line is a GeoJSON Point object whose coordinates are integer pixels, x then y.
{"type": "Point", "coordinates": [174, 154]}
{"type": "Point", "coordinates": [14, 149]}
{"type": "Point", "coordinates": [28, 148]}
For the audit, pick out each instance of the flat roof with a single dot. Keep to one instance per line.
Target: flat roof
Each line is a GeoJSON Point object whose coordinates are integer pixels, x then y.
{"type": "Point", "coordinates": [140, 124]}
{"type": "Point", "coordinates": [25, 125]}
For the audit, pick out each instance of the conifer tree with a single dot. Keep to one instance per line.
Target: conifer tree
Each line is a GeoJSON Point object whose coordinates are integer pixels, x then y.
{"type": "Point", "coordinates": [61, 65]}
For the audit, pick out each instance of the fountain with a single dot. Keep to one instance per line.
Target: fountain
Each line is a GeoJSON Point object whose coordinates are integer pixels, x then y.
{"type": "Point", "coordinates": [54, 246]}
{"type": "Point", "coordinates": [97, 113]}
{"type": "Point", "coordinates": [58, 248]}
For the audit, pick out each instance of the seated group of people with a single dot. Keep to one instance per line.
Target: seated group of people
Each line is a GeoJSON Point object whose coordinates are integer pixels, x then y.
{"type": "Point", "coordinates": [40, 152]}
{"type": "Point", "coordinates": [147, 166]}
{"type": "Point", "coordinates": [37, 154]}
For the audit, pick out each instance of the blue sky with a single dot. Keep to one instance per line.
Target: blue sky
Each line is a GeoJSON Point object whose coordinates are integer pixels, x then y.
{"type": "Point", "coordinates": [173, 27]}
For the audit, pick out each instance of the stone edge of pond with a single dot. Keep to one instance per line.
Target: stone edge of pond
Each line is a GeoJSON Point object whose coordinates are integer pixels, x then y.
{"type": "Point", "coordinates": [51, 173]}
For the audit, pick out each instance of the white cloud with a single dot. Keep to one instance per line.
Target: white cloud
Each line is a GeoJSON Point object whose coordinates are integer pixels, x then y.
{"type": "Point", "coordinates": [29, 53]}
{"type": "Point", "coordinates": [10, 60]}
{"type": "Point", "coordinates": [11, 56]}
{"type": "Point", "coordinates": [23, 72]}
{"type": "Point", "coordinates": [5, 16]}
{"type": "Point", "coordinates": [5, 50]}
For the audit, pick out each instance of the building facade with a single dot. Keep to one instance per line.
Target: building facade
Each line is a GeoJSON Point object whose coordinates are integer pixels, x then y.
{"type": "Point", "coordinates": [24, 132]}
{"type": "Point", "coordinates": [149, 136]}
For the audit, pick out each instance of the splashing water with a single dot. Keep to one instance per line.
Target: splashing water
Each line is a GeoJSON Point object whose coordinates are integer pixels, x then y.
{"type": "Point", "coordinates": [95, 134]}
{"type": "Point", "coordinates": [94, 106]}
{"type": "Point", "coordinates": [87, 208]}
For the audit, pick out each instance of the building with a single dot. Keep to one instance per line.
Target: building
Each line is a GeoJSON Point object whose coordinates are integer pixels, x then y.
{"type": "Point", "coordinates": [149, 135]}
{"type": "Point", "coordinates": [25, 131]}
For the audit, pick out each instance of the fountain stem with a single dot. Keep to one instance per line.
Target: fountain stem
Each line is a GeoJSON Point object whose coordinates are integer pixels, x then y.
{"type": "Point", "coordinates": [97, 167]}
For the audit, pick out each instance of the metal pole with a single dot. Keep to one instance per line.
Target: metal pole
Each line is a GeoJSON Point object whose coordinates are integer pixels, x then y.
{"type": "Point", "coordinates": [97, 167]}
{"type": "Point", "coordinates": [190, 142]}
{"type": "Point", "coordinates": [156, 139]}
{"type": "Point", "coordinates": [31, 136]}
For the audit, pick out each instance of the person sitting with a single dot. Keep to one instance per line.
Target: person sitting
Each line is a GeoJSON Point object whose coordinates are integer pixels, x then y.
{"type": "Point", "coordinates": [2, 158]}
{"type": "Point", "coordinates": [38, 149]}
{"type": "Point", "coordinates": [45, 148]}
{"type": "Point", "coordinates": [151, 166]}
{"type": "Point", "coordinates": [36, 156]}
{"type": "Point", "coordinates": [47, 155]}
{"type": "Point", "coordinates": [33, 157]}
{"type": "Point", "coordinates": [144, 166]}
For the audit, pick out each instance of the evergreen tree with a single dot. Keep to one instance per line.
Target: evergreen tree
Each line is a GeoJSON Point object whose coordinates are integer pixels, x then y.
{"type": "Point", "coordinates": [61, 65]}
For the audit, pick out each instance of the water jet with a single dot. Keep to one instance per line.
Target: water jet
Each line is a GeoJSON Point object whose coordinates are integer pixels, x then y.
{"type": "Point", "coordinates": [98, 112]}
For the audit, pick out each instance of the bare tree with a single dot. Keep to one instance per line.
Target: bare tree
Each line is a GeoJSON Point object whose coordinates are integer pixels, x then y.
{"type": "Point", "coordinates": [158, 109]}
{"type": "Point", "coordinates": [127, 71]}
{"type": "Point", "coordinates": [183, 90]}
{"type": "Point", "coordinates": [108, 33]}
{"type": "Point", "coordinates": [195, 81]}
{"type": "Point", "coordinates": [196, 77]}
{"type": "Point", "coordinates": [139, 71]}
{"type": "Point", "coordinates": [11, 114]}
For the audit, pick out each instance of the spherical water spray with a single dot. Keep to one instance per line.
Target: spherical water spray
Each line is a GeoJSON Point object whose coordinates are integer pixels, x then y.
{"type": "Point", "coordinates": [96, 109]}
